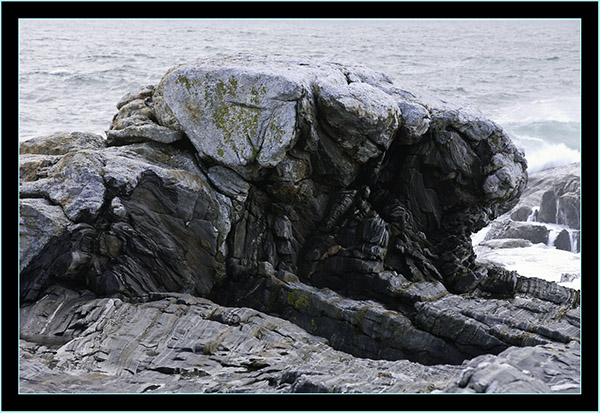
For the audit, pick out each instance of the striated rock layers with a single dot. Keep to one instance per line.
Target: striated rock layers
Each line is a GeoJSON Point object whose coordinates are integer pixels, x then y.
{"type": "Point", "coordinates": [258, 224]}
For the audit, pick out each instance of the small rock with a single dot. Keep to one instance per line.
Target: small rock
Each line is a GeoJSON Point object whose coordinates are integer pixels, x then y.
{"type": "Point", "coordinates": [142, 133]}
{"type": "Point", "coordinates": [567, 277]}
{"type": "Point", "coordinates": [39, 221]}
{"type": "Point", "coordinates": [283, 227]}
{"type": "Point", "coordinates": [568, 210]}
{"type": "Point", "coordinates": [547, 212]}
{"type": "Point", "coordinates": [117, 208]}
{"type": "Point", "coordinates": [506, 243]}
{"type": "Point", "coordinates": [287, 276]}
{"type": "Point", "coordinates": [62, 143]}
{"type": "Point", "coordinates": [144, 92]}
{"type": "Point", "coordinates": [536, 233]}
{"type": "Point", "coordinates": [563, 241]}
{"type": "Point", "coordinates": [521, 213]}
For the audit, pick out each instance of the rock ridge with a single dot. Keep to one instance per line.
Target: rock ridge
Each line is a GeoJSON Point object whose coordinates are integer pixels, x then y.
{"type": "Point", "coordinates": [254, 223]}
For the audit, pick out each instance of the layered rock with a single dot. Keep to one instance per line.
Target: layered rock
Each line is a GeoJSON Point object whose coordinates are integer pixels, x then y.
{"type": "Point", "coordinates": [181, 343]}
{"type": "Point", "coordinates": [123, 220]}
{"type": "Point", "coordinates": [318, 193]}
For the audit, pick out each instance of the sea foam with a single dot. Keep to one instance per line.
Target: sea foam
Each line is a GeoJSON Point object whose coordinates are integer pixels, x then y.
{"type": "Point", "coordinates": [539, 261]}
{"type": "Point", "coordinates": [550, 156]}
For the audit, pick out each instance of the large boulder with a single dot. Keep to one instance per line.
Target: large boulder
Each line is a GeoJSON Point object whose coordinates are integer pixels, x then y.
{"type": "Point", "coordinates": [342, 131]}
{"type": "Point", "coordinates": [247, 113]}
{"type": "Point", "coordinates": [315, 192]}
{"type": "Point", "coordinates": [61, 143]}
{"type": "Point", "coordinates": [234, 115]}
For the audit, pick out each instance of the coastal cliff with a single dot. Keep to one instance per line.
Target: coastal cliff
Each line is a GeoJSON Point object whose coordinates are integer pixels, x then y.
{"type": "Point", "coordinates": [255, 224]}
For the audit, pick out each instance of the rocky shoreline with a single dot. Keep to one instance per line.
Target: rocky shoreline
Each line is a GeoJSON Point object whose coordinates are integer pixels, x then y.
{"type": "Point", "coordinates": [542, 230]}
{"type": "Point", "coordinates": [271, 225]}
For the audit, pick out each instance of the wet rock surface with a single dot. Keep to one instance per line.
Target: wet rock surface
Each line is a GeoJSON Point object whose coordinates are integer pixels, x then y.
{"type": "Point", "coordinates": [548, 212]}
{"type": "Point", "coordinates": [274, 225]}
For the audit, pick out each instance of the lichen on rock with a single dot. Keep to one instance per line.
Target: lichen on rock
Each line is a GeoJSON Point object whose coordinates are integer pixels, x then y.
{"type": "Point", "coordinates": [233, 115]}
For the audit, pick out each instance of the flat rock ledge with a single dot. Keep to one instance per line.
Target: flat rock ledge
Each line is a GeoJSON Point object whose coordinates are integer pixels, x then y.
{"type": "Point", "coordinates": [268, 224]}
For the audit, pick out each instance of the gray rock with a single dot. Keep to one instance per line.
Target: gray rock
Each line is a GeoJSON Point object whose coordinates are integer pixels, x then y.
{"type": "Point", "coordinates": [492, 325]}
{"type": "Point", "coordinates": [166, 229]}
{"type": "Point", "coordinates": [416, 120]}
{"type": "Point", "coordinates": [551, 196]}
{"type": "Point", "coordinates": [507, 243]}
{"type": "Point", "coordinates": [134, 113]}
{"type": "Point", "coordinates": [143, 93]}
{"type": "Point", "coordinates": [523, 370]}
{"type": "Point", "coordinates": [308, 231]}
{"type": "Point", "coordinates": [521, 213]}
{"type": "Point", "coordinates": [567, 277]}
{"type": "Point", "coordinates": [142, 133]}
{"type": "Point", "coordinates": [61, 143]}
{"type": "Point", "coordinates": [75, 183]}
{"type": "Point", "coordinates": [117, 208]}
{"type": "Point", "coordinates": [568, 210]}
{"type": "Point", "coordinates": [136, 122]}
{"type": "Point", "coordinates": [549, 291]}
{"type": "Point", "coordinates": [556, 193]}
{"type": "Point", "coordinates": [548, 207]}
{"type": "Point", "coordinates": [498, 283]}
{"type": "Point", "coordinates": [563, 240]}
{"type": "Point", "coordinates": [233, 114]}
{"type": "Point", "coordinates": [228, 182]}
{"type": "Point", "coordinates": [355, 111]}
{"type": "Point", "coordinates": [178, 343]}
{"type": "Point", "coordinates": [181, 343]}
{"type": "Point", "coordinates": [39, 221]}
{"type": "Point", "coordinates": [533, 232]}
{"type": "Point", "coordinates": [35, 166]}
{"type": "Point", "coordinates": [560, 180]}
{"type": "Point", "coordinates": [283, 227]}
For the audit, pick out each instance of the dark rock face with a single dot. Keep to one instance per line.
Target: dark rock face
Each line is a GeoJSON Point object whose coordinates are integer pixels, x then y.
{"type": "Point", "coordinates": [563, 241]}
{"type": "Point", "coordinates": [138, 232]}
{"type": "Point", "coordinates": [321, 194]}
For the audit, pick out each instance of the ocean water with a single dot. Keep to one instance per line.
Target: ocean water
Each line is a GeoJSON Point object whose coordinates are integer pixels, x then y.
{"type": "Point", "coordinates": [523, 74]}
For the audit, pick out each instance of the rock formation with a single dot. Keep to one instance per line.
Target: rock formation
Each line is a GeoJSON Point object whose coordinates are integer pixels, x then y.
{"type": "Point", "coordinates": [548, 211]}
{"type": "Point", "coordinates": [257, 224]}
